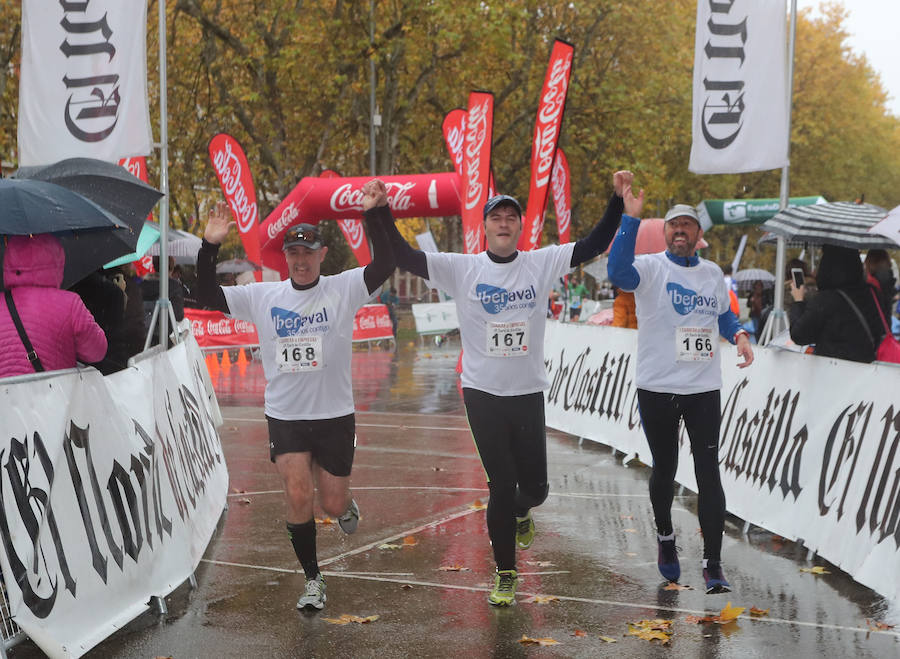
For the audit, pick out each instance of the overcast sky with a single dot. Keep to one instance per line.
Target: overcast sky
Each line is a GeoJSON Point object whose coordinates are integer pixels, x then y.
{"type": "Point", "coordinates": [873, 26]}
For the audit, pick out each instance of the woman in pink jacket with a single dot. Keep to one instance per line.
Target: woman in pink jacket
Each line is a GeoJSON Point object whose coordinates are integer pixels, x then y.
{"type": "Point", "coordinates": [60, 327]}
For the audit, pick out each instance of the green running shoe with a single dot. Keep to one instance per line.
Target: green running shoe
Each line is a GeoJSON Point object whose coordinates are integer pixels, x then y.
{"type": "Point", "coordinates": [524, 531]}
{"type": "Point", "coordinates": [504, 592]}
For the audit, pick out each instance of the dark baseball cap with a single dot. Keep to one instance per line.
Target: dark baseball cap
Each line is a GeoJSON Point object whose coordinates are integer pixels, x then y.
{"type": "Point", "coordinates": [501, 200]}
{"type": "Point", "coordinates": [304, 234]}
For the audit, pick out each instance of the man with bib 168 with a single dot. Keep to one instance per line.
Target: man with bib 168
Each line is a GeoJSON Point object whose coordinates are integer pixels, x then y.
{"type": "Point", "coordinates": [682, 308]}
{"type": "Point", "coordinates": [305, 327]}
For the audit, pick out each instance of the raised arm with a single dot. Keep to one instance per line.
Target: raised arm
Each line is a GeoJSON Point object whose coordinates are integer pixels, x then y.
{"type": "Point", "coordinates": [209, 293]}
{"type": "Point", "coordinates": [620, 268]}
{"type": "Point", "coordinates": [377, 215]}
{"type": "Point", "coordinates": [409, 259]}
{"type": "Point", "coordinates": [602, 234]}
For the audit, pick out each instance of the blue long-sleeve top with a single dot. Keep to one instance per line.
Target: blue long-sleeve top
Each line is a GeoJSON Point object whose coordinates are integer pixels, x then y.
{"type": "Point", "coordinates": [622, 273]}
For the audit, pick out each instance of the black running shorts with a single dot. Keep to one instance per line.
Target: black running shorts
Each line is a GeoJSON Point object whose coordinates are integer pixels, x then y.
{"type": "Point", "coordinates": [332, 442]}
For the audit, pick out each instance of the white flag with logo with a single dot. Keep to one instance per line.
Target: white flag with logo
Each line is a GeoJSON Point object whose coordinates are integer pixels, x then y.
{"type": "Point", "coordinates": [740, 118]}
{"type": "Point", "coordinates": [83, 86]}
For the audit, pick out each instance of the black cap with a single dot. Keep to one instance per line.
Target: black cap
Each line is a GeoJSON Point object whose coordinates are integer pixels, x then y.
{"type": "Point", "coordinates": [501, 200]}
{"type": "Point", "coordinates": [304, 234]}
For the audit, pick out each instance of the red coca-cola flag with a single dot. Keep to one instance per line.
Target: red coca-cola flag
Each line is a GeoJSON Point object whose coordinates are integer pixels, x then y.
{"type": "Point", "coordinates": [353, 231]}
{"type": "Point", "coordinates": [476, 172]}
{"type": "Point", "coordinates": [454, 128]}
{"type": "Point", "coordinates": [562, 196]}
{"type": "Point", "coordinates": [137, 166]}
{"type": "Point", "coordinates": [546, 137]}
{"type": "Point", "coordinates": [233, 170]}
{"type": "Point", "coordinates": [372, 322]}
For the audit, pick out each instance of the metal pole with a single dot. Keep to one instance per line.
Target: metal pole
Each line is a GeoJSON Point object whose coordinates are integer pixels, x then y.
{"type": "Point", "coordinates": [778, 321]}
{"type": "Point", "coordinates": [372, 167]}
{"type": "Point", "coordinates": [163, 182]}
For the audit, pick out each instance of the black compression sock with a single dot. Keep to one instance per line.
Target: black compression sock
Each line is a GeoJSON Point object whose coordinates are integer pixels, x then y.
{"type": "Point", "coordinates": [303, 538]}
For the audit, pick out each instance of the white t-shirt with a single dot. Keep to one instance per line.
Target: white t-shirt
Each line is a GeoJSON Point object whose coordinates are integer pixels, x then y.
{"type": "Point", "coordinates": [305, 338]}
{"type": "Point", "coordinates": [502, 314]}
{"type": "Point", "coordinates": [678, 311]}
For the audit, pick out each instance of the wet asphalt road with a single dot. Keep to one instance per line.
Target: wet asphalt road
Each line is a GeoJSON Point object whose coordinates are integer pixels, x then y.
{"type": "Point", "coordinates": [417, 477]}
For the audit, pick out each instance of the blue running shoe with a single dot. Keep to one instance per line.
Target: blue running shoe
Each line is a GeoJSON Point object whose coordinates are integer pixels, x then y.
{"type": "Point", "coordinates": [667, 559]}
{"type": "Point", "coordinates": [715, 580]}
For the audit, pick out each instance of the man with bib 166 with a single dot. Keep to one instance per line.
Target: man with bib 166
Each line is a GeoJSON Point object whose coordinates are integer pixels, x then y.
{"type": "Point", "coordinates": [682, 308]}
{"type": "Point", "coordinates": [501, 301]}
{"type": "Point", "coordinates": [305, 328]}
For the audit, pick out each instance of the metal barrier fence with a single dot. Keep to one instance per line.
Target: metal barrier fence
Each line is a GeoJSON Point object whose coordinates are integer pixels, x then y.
{"type": "Point", "coordinates": [9, 631]}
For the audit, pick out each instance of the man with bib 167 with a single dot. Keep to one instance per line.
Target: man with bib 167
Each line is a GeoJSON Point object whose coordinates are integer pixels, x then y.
{"type": "Point", "coordinates": [501, 301]}
{"type": "Point", "coordinates": [305, 327]}
{"type": "Point", "coordinates": [682, 308]}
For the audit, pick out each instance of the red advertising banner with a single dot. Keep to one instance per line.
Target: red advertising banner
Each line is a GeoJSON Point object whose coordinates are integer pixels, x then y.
{"type": "Point", "coordinates": [546, 137]}
{"type": "Point", "coordinates": [476, 164]}
{"type": "Point", "coordinates": [372, 322]}
{"type": "Point", "coordinates": [454, 129]}
{"type": "Point", "coordinates": [137, 166]}
{"type": "Point", "coordinates": [212, 329]}
{"type": "Point", "coordinates": [233, 171]}
{"type": "Point", "coordinates": [562, 196]}
{"type": "Point", "coordinates": [353, 231]}
{"type": "Point", "coordinates": [314, 199]}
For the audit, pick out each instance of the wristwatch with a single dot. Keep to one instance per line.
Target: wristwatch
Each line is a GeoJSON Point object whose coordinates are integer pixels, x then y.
{"type": "Point", "coordinates": [739, 332]}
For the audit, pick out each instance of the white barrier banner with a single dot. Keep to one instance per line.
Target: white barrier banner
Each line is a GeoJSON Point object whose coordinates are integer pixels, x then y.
{"type": "Point", "coordinates": [433, 317]}
{"type": "Point", "coordinates": [740, 115]}
{"type": "Point", "coordinates": [809, 447]}
{"type": "Point", "coordinates": [83, 86]}
{"type": "Point", "coordinates": [110, 490]}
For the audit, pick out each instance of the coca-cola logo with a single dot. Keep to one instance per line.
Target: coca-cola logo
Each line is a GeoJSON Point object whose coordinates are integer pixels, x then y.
{"type": "Point", "coordinates": [473, 240]}
{"type": "Point", "coordinates": [134, 167]}
{"type": "Point", "coordinates": [229, 168]}
{"type": "Point", "coordinates": [347, 198]}
{"type": "Point", "coordinates": [560, 200]}
{"type": "Point", "coordinates": [549, 115]}
{"type": "Point", "coordinates": [537, 225]}
{"type": "Point", "coordinates": [353, 232]}
{"type": "Point", "coordinates": [288, 215]}
{"type": "Point", "coordinates": [476, 134]}
{"type": "Point", "coordinates": [456, 138]}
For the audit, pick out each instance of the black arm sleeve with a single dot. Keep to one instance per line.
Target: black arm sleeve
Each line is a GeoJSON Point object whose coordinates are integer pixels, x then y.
{"type": "Point", "coordinates": [383, 261]}
{"type": "Point", "coordinates": [408, 258]}
{"type": "Point", "coordinates": [601, 236]}
{"type": "Point", "coordinates": [209, 293]}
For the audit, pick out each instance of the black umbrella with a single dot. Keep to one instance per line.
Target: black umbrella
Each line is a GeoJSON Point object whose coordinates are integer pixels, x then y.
{"type": "Point", "coordinates": [30, 207]}
{"type": "Point", "coordinates": [841, 223]}
{"type": "Point", "coordinates": [107, 184]}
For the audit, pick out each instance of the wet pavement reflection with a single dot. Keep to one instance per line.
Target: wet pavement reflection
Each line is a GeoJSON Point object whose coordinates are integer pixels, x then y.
{"type": "Point", "coordinates": [419, 484]}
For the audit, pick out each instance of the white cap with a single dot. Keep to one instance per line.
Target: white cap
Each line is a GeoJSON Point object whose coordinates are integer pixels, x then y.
{"type": "Point", "coordinates": [683, 210]}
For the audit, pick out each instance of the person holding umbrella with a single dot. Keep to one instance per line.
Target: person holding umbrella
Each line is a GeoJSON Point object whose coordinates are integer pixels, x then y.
{"type": "Point", "coordinates": [42, 328]}
{"type": "Point", "coordinates": [682, 305]}
{"type": "Point", "coordinates": [305, 325]}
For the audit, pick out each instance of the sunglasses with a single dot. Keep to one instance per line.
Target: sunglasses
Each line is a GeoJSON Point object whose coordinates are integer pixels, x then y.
{"type": "Point", "coordinates": [306, 235]}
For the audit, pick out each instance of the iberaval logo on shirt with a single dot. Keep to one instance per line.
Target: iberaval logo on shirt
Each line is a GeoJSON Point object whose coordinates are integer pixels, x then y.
{"type": "Point", "coordinates": [495, 299]}
{"type": "Point", "coordinates": [684, 300]}
{"type": "Point", "coordinates": [288, 323]}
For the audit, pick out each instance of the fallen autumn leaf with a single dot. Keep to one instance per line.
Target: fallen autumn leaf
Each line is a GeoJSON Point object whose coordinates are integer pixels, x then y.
{"type": "Point", "coordinates": [527, 640]}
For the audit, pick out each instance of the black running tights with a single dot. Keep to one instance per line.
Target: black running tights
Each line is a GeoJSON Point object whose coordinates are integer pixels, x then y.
{"type": "Point", "coordinates": [660, 416]}
{"type": "Point", "coordinates": [511, 440]}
